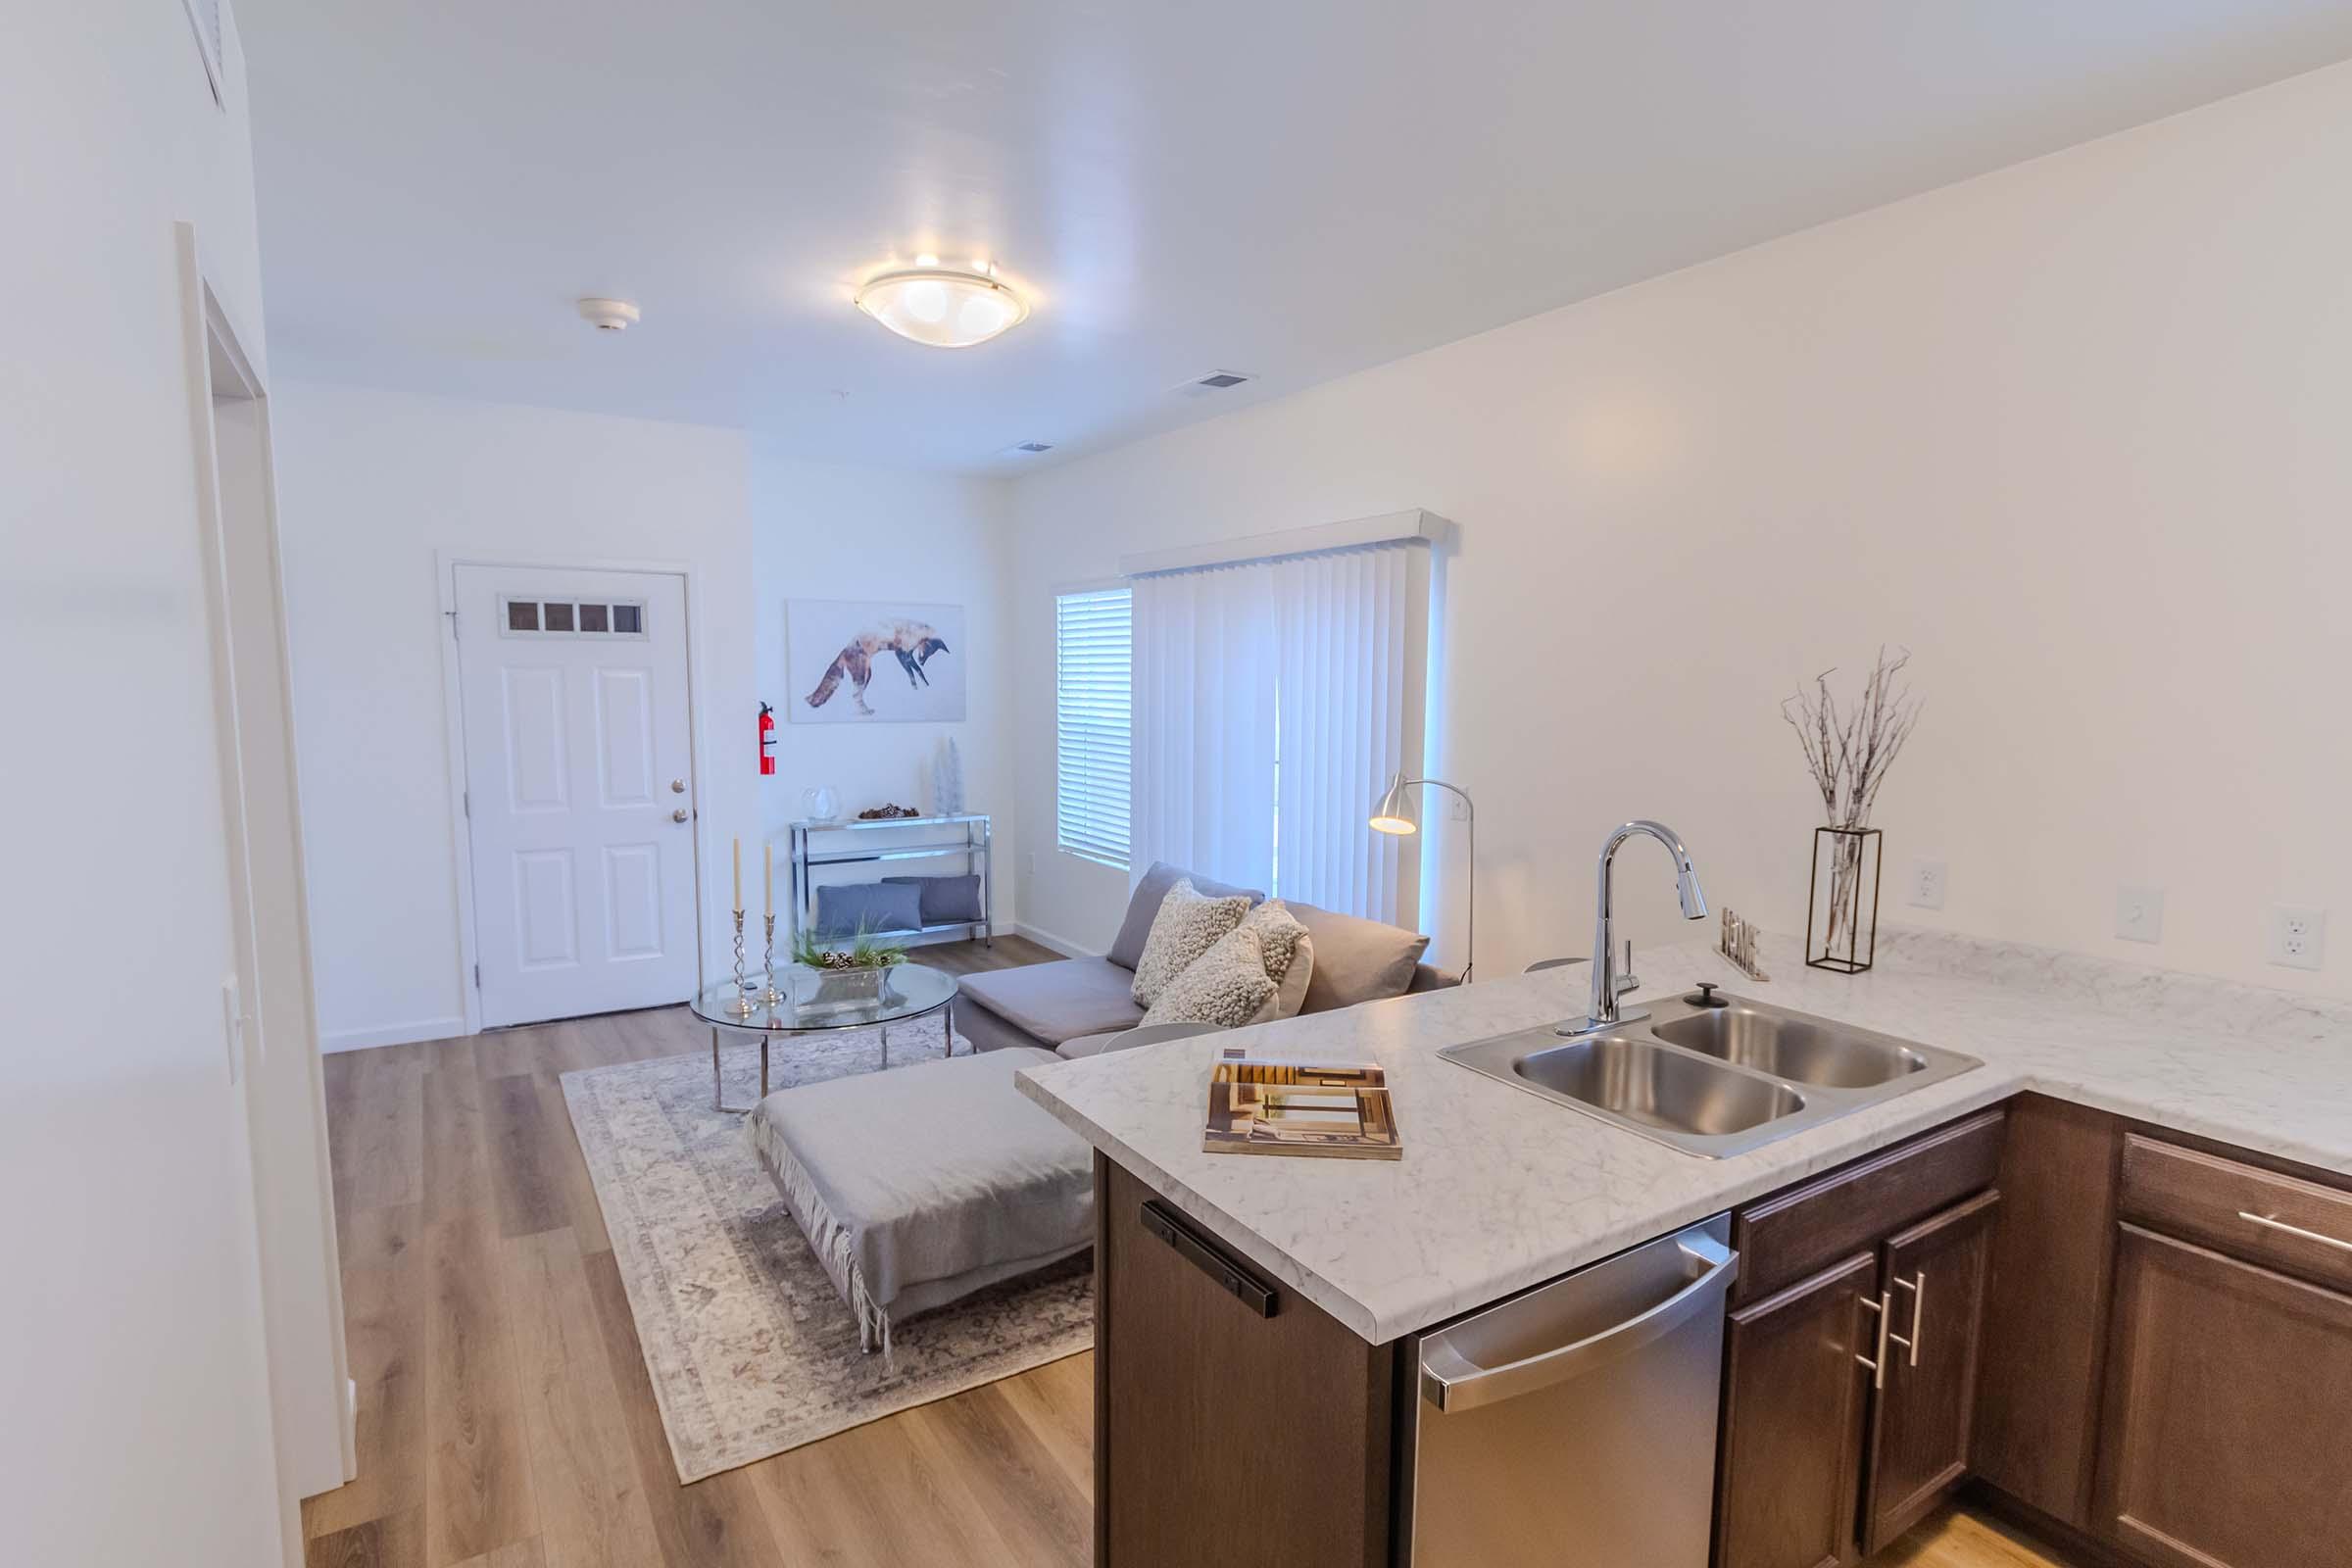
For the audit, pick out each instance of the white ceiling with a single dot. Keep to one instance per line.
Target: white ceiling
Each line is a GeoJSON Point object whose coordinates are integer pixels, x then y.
{"type": "Point", "coordinates": [1299, 189]}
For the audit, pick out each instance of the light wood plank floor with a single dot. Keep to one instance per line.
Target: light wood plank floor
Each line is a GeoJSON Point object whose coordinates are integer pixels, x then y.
{"type": "Point", "coordinates": [504, 1416]}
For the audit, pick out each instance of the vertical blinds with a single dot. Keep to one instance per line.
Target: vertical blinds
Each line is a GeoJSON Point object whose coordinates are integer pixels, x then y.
{"type": "Point", "coordinates": [1092, 696]}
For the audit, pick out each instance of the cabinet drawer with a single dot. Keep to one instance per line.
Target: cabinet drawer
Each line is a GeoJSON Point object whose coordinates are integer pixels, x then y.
{"type": "Point", "coordinates": [1792, 1235]}
{"type": "Point", "coordinates": [2294, 1226]}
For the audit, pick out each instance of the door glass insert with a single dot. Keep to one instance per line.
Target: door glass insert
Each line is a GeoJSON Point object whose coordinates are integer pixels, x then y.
{"type": "Point", "coordinates": [559, 616]}
{"type": "Point", "coordinates": [594, 617]}
{"type": "Point", "coordinates": [522, 614]}
{"type": "Point", "coordinates": [629, 619]}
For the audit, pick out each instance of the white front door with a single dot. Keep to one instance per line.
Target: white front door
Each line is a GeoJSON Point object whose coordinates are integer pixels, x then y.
{"type": "Point", "coordinates": [579, 795]}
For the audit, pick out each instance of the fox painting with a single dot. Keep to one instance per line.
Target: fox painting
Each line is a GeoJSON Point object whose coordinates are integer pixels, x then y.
{"type": "Point", "coordinates": [912, 642]}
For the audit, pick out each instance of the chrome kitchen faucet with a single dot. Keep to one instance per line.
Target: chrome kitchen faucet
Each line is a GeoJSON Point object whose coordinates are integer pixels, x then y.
{"type": "Point", "coordinates": [1603, 1014]}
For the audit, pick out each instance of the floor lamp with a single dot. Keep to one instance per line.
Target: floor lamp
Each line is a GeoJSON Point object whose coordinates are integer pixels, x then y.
{"type": "Point", "coordinates": [1394, 814]}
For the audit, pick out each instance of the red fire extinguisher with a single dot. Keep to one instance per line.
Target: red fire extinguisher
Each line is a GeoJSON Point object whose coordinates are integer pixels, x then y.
{"type": "Point", "coordinates": [767, 741]}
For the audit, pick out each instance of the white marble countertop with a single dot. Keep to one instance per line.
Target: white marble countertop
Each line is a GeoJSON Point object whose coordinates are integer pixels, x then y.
{"type": "Point", "coordinates": [1500, 1189]}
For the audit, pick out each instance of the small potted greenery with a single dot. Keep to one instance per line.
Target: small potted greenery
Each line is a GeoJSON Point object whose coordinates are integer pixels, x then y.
{"type": "Point", "coordinates": [843, 976]}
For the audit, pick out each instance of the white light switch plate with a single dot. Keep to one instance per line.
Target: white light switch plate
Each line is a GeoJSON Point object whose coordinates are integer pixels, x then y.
{"type": "Point", "coordinates": [2296, 938]}
{"type": "Point", "coordinates": [2139, 915]}
{"type": "Point", "coordinates": [1926, 889]}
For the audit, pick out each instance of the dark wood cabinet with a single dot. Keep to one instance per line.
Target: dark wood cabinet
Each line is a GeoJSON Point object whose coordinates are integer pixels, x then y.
{"type": "Point", "coordinates": [2046, 1315]}
{"type": "Point", "coordinates": [1225, 1434]}
{"type": "Point", "coordinates": [2228, 1435]}
{"type": "Point", "coordinates": [1795, 1395]}
{"type": "Point", "coordinates": [1834, 1436]}
{"type": "Point", "coordinates": [1931, 1284]}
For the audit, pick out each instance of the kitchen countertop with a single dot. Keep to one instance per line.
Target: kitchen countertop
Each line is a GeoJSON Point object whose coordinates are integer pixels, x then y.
{"type": "Point", "coordinates": [1500, 1189]}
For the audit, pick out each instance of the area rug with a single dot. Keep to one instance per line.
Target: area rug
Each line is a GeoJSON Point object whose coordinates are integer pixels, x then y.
{"type": "Point", "coordinates": [751, 1352]}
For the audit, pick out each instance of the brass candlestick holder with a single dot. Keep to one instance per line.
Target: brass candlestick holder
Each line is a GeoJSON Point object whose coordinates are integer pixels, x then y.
{"type": "Point", "coordinates": [771, 996]}
{"type": "Point", "coordinates": [741, 1007]}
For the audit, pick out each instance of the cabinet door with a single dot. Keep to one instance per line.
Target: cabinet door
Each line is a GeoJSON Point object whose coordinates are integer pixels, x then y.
{"type": "Point", "coordinates": [1793, 1390]}
{"type": "Point", "coordinates": [2228, 1435]}
{"type": "Point", "coordinates": [1221, 1434]}
{"type": "Point", "coordinates": [1933, 1286]}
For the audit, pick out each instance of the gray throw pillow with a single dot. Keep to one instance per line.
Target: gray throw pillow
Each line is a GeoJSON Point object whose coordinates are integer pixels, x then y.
{"type": "Point", "coordinates": [944, 898]}
{"type": "Point", "coordinates": [1356, 960]}
{"type": "Point", "coordinates": [1187, 926]}
{"type": "Point", "coordinates": [846, 910]}
{"type": "Point", "coordinates": [1143, 908]}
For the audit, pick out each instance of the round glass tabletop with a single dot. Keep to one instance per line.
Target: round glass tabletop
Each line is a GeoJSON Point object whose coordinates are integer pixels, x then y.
{"type": "Point", "coordinates": [827, 999]}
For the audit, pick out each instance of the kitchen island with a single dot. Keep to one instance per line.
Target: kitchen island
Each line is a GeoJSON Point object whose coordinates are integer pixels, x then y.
{"type": "Point", "coordinates": [1499, 1189]}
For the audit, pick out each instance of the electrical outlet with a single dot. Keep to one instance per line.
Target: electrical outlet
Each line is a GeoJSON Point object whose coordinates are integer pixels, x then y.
{"type": "Point", "coordinates": [1927, 884]}
{"type": "Point", "coordinates": [2139, 915]}
{"type": "Point", "coordinates": [2297, 939]}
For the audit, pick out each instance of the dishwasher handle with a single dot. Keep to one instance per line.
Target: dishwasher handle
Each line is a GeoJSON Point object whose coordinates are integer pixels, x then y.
{"type": "Point", "coordinates": [1453, 1383]}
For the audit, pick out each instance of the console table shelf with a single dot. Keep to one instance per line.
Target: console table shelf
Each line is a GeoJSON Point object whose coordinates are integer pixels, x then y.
{"type": "Point", "coordinates": [971, 842]}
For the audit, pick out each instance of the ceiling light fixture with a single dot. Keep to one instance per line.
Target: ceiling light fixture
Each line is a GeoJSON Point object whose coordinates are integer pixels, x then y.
{"type": "Point", "coordinates": [941, 305]}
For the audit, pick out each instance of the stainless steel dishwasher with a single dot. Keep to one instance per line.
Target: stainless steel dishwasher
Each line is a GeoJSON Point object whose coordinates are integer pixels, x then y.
{"type": "Point", "coordinates": [1574, 1426]}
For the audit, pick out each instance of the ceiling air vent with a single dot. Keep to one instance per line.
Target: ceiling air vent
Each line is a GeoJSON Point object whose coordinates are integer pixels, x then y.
{"type": "Point", "coordinates": [1201, 386]}
{"type": "Point", "coordinates": [1027, 449]}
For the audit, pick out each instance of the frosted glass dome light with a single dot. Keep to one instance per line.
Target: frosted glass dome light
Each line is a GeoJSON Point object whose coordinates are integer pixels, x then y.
{"type": "Point", "coordinates": [941, 307]}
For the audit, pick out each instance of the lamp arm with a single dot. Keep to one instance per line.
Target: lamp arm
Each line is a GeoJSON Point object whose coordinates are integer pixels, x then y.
{"type": "Point", "coordinates": [1470, 873]}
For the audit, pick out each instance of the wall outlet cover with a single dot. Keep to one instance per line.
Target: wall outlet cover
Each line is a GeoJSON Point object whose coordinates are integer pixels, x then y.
{"type": "Point", "coordinates": [1926, 888]}
{"type": "Point", "coordinates": [2139, 915]}
{"type": "Point", "coordinates": [2296, 939]}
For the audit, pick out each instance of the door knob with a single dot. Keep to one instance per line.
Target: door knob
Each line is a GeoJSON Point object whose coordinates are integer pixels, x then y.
{"type": "Point", "coordinates": [679, 816]}
{"type": "Point", "coordinates": [677, 786]}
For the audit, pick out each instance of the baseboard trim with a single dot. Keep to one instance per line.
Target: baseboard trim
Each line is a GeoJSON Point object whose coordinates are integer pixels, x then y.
{"type": "Point", "coordinates": [394, 1034]}
{"type": "Point", "coordinates": [1061, 945]}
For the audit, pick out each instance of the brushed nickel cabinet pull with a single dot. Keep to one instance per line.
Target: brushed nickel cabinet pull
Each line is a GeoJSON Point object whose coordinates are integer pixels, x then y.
{"type": "Point", "coordinates": [1917, 1285]}
{"type": "Point", "coordinates": [2296, 1231]}
{"type": "Point", "coordinates": [1884, 1307]}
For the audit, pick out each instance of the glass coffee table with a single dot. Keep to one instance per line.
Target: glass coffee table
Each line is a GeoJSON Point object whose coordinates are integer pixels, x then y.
{"type": "Point", "coordinates": [906, 991]}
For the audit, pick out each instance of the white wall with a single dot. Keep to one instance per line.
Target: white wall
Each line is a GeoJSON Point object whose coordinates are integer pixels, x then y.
{"type": "Point", "coordinates": [2074, 433]}
{"type": "Point", "coordinates": [822, 531]}
{"type": "Point", "coordinates": [135, 1406]}
{"type": "Point", "coordinates": [372, 484]}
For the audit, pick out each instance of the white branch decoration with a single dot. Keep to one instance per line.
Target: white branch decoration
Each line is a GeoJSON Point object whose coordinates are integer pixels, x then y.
{"type": "Point", "coordinates": [1848, 753]}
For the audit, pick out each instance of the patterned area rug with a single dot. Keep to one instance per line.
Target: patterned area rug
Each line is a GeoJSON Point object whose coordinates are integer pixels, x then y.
{"type": "Point", "coordinates": [750, 1350]}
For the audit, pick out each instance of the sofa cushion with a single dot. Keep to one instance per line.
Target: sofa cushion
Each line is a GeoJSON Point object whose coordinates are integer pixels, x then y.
{"type": "Point", "coordinates": [1060, 1001]}
{"type": "Point", "coordinates": [1086, 1045]}
{"type": "Point", "coordinates": [1227, 986]}
{"type": "Point", "coordinates": [1356, 960]}
{"type": "Point", "coordinates": [918, 1186]}
{"type": "Point", "coordinates": [946, 899]}
{"type": "Point", "coordinates": [1143, 908]}
{"type": "Point", "coordinates": [848, 909]}
{"type": "Point", "coordinates": [1188, 925]}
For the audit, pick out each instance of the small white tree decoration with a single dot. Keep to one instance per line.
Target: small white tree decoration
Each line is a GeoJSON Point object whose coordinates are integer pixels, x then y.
{"type": "Point", "coordinates": [1848, 753]}
{"type": "Point", "coordinates": [946, 778]}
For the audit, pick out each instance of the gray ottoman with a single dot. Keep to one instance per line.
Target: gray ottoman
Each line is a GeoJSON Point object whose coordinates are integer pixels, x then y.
{"type": "Point", "coordinates": [923, 1184]}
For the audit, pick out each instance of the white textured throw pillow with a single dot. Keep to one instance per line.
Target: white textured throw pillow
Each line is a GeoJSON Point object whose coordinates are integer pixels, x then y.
{"type": "Point", "coordinates": [1278, 932]}
{"type": "Point", "coordinates": [1227, 986]}
{"type": "Point", "coordinates": [1187, 925]}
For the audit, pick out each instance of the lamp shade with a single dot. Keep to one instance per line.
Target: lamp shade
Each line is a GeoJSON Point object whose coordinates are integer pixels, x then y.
{"type": "Point", "coordinates": [941, 306]}
{"type": "Point", "coordinates": [1394, 812]}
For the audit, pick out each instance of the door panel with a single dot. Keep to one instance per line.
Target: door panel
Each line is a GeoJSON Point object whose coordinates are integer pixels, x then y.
{"type": "Point", "coordinates": [575, 693]}
{"type": "Point", "coordinates": [1793, 1392]}
{"type": "Point", "coordinates": [1933, 1286]}
{"type": "Point", "coordinates": [624, 728]}
{"type": "Point", "coordinates": [2228, 1435]}
{"type": "Point", "coordinates": [538, 774]}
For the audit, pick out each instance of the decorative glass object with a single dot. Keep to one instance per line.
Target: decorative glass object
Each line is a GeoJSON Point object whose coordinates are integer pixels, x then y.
{"type": "Point", "coordinates": [1842, 900]}
{"type": "Point", "coordinates": [815, 990]}
{"type": "Point", "coordinates": [820, 803]}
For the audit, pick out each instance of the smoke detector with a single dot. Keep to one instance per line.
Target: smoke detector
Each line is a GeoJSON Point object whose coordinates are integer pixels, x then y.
{"type": "Point", "coordinates": [1201, 386]}
{"type": "Point", "coordinates": [608, 316]}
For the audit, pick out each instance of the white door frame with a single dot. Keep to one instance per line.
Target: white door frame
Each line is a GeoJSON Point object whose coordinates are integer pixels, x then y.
{"type": "Point", "coordinates": [283, 997]}
{"type": "Point", "coordinates": [453, 720]}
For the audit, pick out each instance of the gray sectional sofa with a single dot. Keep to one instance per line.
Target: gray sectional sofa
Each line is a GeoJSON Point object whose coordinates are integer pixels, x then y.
{"type": "Point", "coordinates": [1079, 1007]}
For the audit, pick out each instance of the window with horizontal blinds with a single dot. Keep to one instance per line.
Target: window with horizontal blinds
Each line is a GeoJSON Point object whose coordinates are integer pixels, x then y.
{"type": "Point", "coordinates": [1092, 694]}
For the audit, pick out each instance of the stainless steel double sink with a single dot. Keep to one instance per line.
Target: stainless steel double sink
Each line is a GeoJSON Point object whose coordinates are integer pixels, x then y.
{"type": "Point", "coordinates": [1713, 1079]}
